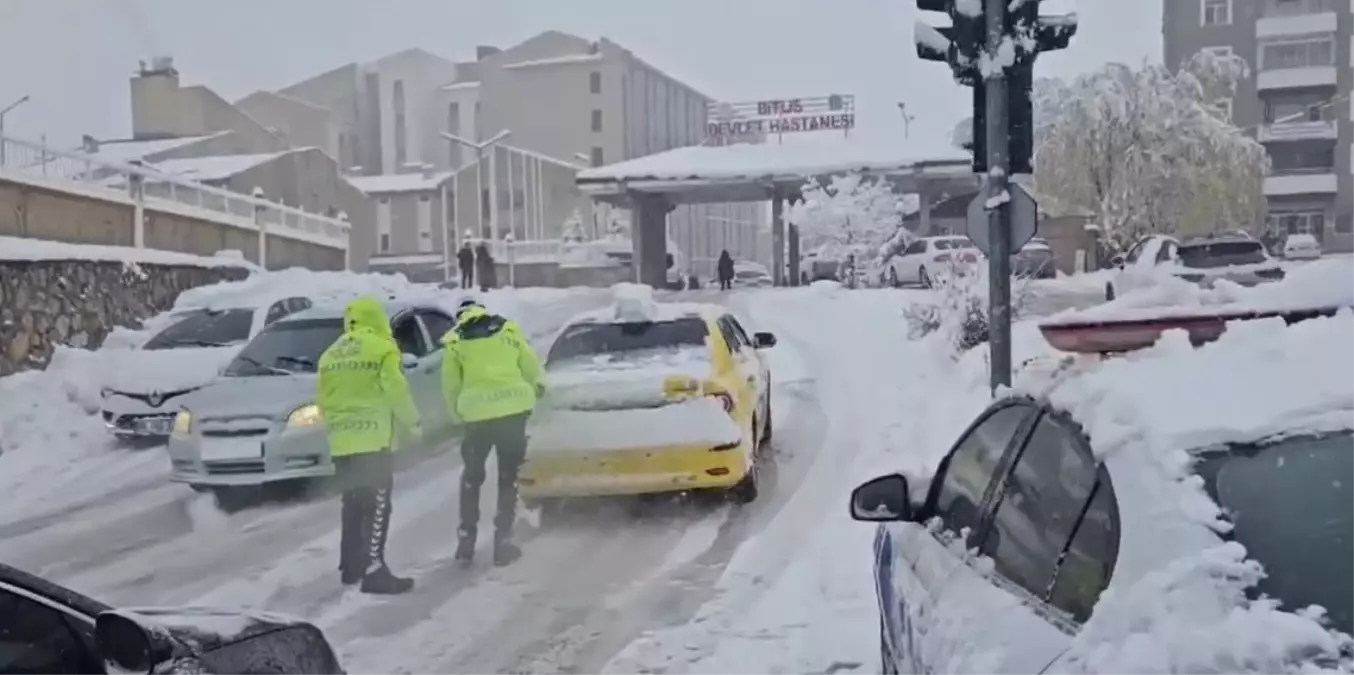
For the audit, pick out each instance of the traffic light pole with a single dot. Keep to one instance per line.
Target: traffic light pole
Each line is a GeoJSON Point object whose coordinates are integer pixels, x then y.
{"type": "Point", "coordinates": [999, 216]}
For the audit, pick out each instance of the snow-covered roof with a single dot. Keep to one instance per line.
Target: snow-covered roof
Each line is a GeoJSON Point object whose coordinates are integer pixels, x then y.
{"type": "Point", "coordinates": [215, 167]}
{"type": "Point", "coordinates": [126, 151]}
{"type": "Point", "coordinates": [458, 86]}
{"type": "Point", "coordinates": [21, 248]}
{"type": "Point", "coordinates": [748, 161]}
{"type": "Point", "coordinates": [568, 59]}
{"type": "Point", "coordinates": [400, 182]}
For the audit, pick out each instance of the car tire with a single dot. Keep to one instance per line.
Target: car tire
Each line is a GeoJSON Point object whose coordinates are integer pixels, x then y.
{"type": "Point", "coordinates": [887, 664]}
{"type": "Point", "coordinates": [745, 492]}
{"type": "Point", "coordinates": [924, 278]}
{"type": "Point", "coordinates": [766, 421]}
{"type": "Point", "coordinates": [893, 277]}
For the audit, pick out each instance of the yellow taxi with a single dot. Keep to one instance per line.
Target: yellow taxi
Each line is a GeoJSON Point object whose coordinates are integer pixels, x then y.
{"type": "Point", "coordinates": [645, 397]}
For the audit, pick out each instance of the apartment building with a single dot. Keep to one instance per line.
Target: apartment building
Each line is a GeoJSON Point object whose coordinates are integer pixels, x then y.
{"type": "Point", "coordinates": [566, 103]}
{"type": "Point", "coordinates": [1296, 102]}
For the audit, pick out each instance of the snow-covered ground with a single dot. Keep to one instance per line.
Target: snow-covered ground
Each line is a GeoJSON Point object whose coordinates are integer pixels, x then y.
{"type": "Point", "coordinates": [53, 442]}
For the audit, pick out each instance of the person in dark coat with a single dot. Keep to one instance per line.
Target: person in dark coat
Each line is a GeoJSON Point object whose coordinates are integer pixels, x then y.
{"type": "Point", "coordinates": [484, 266]}
{"type": "Point", "coordinates": [725, 270]}
{"type": "Point", "coordinates": [465, 259]}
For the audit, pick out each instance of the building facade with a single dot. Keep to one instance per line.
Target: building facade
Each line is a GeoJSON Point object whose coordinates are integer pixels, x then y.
{"type": "Point", "coordinates": [1296, 100]}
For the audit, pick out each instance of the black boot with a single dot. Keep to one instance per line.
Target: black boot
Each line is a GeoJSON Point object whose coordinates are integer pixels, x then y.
{"type": "Point", "coordinates": [465, 547]}
{"type": "Point", "coordinates": [381, 581]}
{"type": "Point", "coordinates": [505, 552]}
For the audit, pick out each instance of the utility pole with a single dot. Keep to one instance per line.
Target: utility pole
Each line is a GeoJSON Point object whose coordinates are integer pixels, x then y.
{"type": "Point", "coordinates": [991, 46]}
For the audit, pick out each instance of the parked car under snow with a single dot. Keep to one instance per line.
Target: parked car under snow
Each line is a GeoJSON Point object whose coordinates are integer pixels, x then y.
{"type": "Point", "coordinates": [142, 392]}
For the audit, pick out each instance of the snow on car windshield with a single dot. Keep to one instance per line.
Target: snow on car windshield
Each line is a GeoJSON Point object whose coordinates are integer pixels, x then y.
{"type": "Point", "coordinates": [1291, 504]}
{"type": "Point", "coordinates": [286, 347]}
{"type": "Point", "coordinates": [1221, 254]}
{"type": "Point", "coordinates": [628, 340]}
{"type": "Point", "coordinates": [950, 244]}
{"type": "Point", "coordinates": [205, 328]}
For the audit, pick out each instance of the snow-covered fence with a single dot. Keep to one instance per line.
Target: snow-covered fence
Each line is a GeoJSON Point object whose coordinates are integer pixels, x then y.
{"type": "Point", "coordinates": [143, 187]}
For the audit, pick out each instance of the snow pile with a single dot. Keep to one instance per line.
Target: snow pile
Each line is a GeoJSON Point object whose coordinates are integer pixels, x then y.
{"type": "Point", "coordinates": [699, 422]}
{"type": "Point", "coordinates": [634, 303]}
{"type": "Point", "coordinates": [849, 214]}
{"type": "Point", "coordinates": [22, 248]}
{"type": "Point", "coordinates": [1323, 283]}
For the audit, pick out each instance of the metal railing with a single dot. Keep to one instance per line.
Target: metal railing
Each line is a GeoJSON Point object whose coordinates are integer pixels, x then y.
{"type": "Point", "coordinates": [142, 183]}
{"type": "Point", "coordinates": [1274, 9]}
{"type": "Point", "coordinates": [530, 249]}
{"type": "Point", "coordinates": [1293, 131]}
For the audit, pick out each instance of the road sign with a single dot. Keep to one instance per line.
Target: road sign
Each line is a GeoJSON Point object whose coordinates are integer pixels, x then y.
{"type": "Point", "coordinates": [1024, 218]}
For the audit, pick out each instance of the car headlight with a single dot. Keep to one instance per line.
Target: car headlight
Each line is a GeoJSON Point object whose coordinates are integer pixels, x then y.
{"type": "Point", "coordinates": [304, 417]}
{"type": "Point", "coordinates": [183, 423]}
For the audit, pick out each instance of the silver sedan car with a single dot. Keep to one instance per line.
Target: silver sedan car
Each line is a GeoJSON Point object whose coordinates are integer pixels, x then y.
{"type": "Point", "coordinates": [257, 424]}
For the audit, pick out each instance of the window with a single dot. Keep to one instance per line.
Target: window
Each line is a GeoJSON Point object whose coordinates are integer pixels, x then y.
{"type": "Point", "coordinates": [972, 465]}
{"type": "Point", "coordinates": [1222, 50]}
{"type": "Point", "coordinates": [1222, 254]}
{"type": "Point", "coordinates": [915, 247]}
{"type": "Point", "coordinates": [409, 336]}
{"type": "Point", "coordinates": [1136, 252]}
{"type": "Point", "coordinates": [738, 327]}
{"type": "Point", "coordinates": [639, 340]}
{"type": "Point", "coordinates": [1166, 251]}
{"type": "Point", "coordinates": [205, 328]}
{"type": "Point", "coordinates": [1300, 108]}
{"type": "Point", "coordinates": [595, 82]}
{"type": "Point", "coordinates": [385, 243]}
{"type": "Point", "coordinates": [1216, 12]}
{"type": "Point", "coordinates": [277, 311]}
{"type": "Point", "coordinates": [1302, 158]}
{"type": "Point", "coordinates": [733, 335]}
{"type": "Point", "coordinates": [596, 156]}
{"type": "Point", "coordinates": [1089, 562]}
{"type": "Point", "coordinates": [1044, 494]}
{"type": "Point", "coordinates": [37, 638]}
{"type": "Point", "coordinates": [401, 130]}
{"type": "Point", "coordinates": [437, 324]}
{"type": "Point", "coordinates": [597, 121]}
{"type": "Point", "coordinates": [1307, 53]}
{"type": "Point", "coordinates": [286, 346]}
{"type": "Point", "coordinates": [298, 304]}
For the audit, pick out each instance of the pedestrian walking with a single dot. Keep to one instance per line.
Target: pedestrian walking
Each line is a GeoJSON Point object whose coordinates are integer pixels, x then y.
{"type": "Point", "coordinates": [465, 260]}
{"type": "Point", "coordinates": [491, 378]}
{"type": "Point", "coordinates": [362, 395]}
{"type": "Point", "coordinates": [725, 270]}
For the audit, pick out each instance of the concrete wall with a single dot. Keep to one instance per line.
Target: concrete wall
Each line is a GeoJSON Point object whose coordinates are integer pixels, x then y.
{"type": "Point", "coordinates": [302, 124]}
{"type": "Point", "coordinates": [78, 302]}
{"type": "Point", "coordinates": [46, 213]}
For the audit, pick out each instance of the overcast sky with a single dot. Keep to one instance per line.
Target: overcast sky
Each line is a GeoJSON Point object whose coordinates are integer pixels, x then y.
{"type": "Point", "coordinates": [74, 56]}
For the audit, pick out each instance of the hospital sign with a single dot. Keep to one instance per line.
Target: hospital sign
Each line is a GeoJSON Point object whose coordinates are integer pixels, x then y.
{"type": "Point", "coordinates": [726, 122]}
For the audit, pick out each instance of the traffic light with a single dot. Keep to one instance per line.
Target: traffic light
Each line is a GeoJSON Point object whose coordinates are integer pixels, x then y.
{"type": "Point", "coordinates": [961, 47]}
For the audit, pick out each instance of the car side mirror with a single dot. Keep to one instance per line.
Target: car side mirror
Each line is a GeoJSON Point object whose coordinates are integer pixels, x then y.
{"type": "Point", "coordinates": [128, 646]}
{"type": "Point", "coordinates": [882, 500]}
{"type": "Point", "coordinates": [763, 340]}
{"type": "Point", "coordinates": [409, 361]}
{"type": "Point", "coordinates": [1118, 260]}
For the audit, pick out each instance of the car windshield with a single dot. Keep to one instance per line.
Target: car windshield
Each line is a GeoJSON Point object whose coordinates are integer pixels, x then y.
{"type": "Point", "coordinates": [950, 244]}
{"type": "Point", "coordinates": [205, 328]}
{"type": "Point", "coordinates": [286, 347]}
{"type": "Point", "coordinates": [1292, 506]}
{"type": "Point", "coordinates": [632, 339]}
{"type": "Point", "coordinates": [1221, 254]}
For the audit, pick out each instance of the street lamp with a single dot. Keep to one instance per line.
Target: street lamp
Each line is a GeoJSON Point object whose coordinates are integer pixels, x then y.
{"type": "Point", "coordinates": [509, 240]}
{"type": "Point", "coordinates": [586, 160]}
{"type": "Point", "coordinates": [22, 100]}
{"type": "Point", "coordinates": [479, 149]}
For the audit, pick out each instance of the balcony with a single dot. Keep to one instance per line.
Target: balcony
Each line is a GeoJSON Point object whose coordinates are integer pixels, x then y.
{"type": "Point", "coordinates": [1299, 131]}
{"type": "Point", "coordinates": [1302, 182]}
{"type": "Point", "coordinates": [1297, 78]}
{"type": "Point", "coordinates": [1296, 17]}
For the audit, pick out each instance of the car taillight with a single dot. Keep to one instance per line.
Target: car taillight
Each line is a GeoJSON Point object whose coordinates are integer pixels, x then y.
{"type": "Point", "coordinates": [725, 399]}
{"type": "Point", "coordinates": [968, 257]}
{"type": "Point", "coordinates": [943, 257]}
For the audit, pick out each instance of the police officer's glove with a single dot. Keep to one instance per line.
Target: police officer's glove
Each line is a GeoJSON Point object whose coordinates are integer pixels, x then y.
{"type": "Point", "coordinates": [540, 390]}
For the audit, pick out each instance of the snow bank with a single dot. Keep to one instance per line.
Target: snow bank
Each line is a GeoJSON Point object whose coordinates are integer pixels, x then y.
{"type": "Point", "coordinates": [1323, 283]}
{"type": "Point", "coordinates": [22, 248]}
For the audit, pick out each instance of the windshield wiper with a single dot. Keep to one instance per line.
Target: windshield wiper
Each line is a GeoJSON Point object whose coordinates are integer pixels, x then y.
{"type": "Point", "coordinates": [203, 343]}
{"type": "Point", "coordinates": [298, 360]}
{"type": "Point", "coordinates": [271, 370]}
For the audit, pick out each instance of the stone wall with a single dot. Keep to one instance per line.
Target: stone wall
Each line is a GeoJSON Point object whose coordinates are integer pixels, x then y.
{"type": "Point", "coordinates": [79, 302]}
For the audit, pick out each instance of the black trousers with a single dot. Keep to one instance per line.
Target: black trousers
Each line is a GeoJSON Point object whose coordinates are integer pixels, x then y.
{"type": "Point", "coordinates": [507, 436]}
{"type": "Point", "coordinates": [367, 481]}
{"type": "Point", "coordinates": [467, 276]}
{"type": "Point", "coordinates": [725, 284]}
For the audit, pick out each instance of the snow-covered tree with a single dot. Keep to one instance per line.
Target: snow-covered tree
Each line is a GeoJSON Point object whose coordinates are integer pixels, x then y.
{"type": "Point", "coordinates": [618, 226]}
{"type": "Point", "coordinates": [572, 229]}
{"type": "Point", "coordinates": [1151, 150]}
{"type": "Point", "coordinates": [846, 215]}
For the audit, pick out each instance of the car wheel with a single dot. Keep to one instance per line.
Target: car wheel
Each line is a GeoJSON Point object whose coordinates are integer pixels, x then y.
{"type": "Point", "coordinates": [887, 664]}
{"type": "Point", "coordinates": [745, 492]}
{"type": "Point", "coordinates": [766, 416]}
{"type": "Point", "coordinates": [893, 277]}
{"type": "Point", "coordinates": [924, 278]}
{"type": "Point", "coordinates": [1109, 291]}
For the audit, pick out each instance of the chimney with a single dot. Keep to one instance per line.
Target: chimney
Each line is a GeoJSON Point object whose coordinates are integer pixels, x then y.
{"type": "Point", "coordinates": [483, 52]}
{"type": "Point", "coordinates": [155, 109]}
{"type": "Point", "coordinates": [89, 144]}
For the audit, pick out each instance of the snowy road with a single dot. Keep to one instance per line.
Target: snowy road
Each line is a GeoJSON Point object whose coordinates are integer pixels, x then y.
{"type": "Point", "coordinates": [585, 589]}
